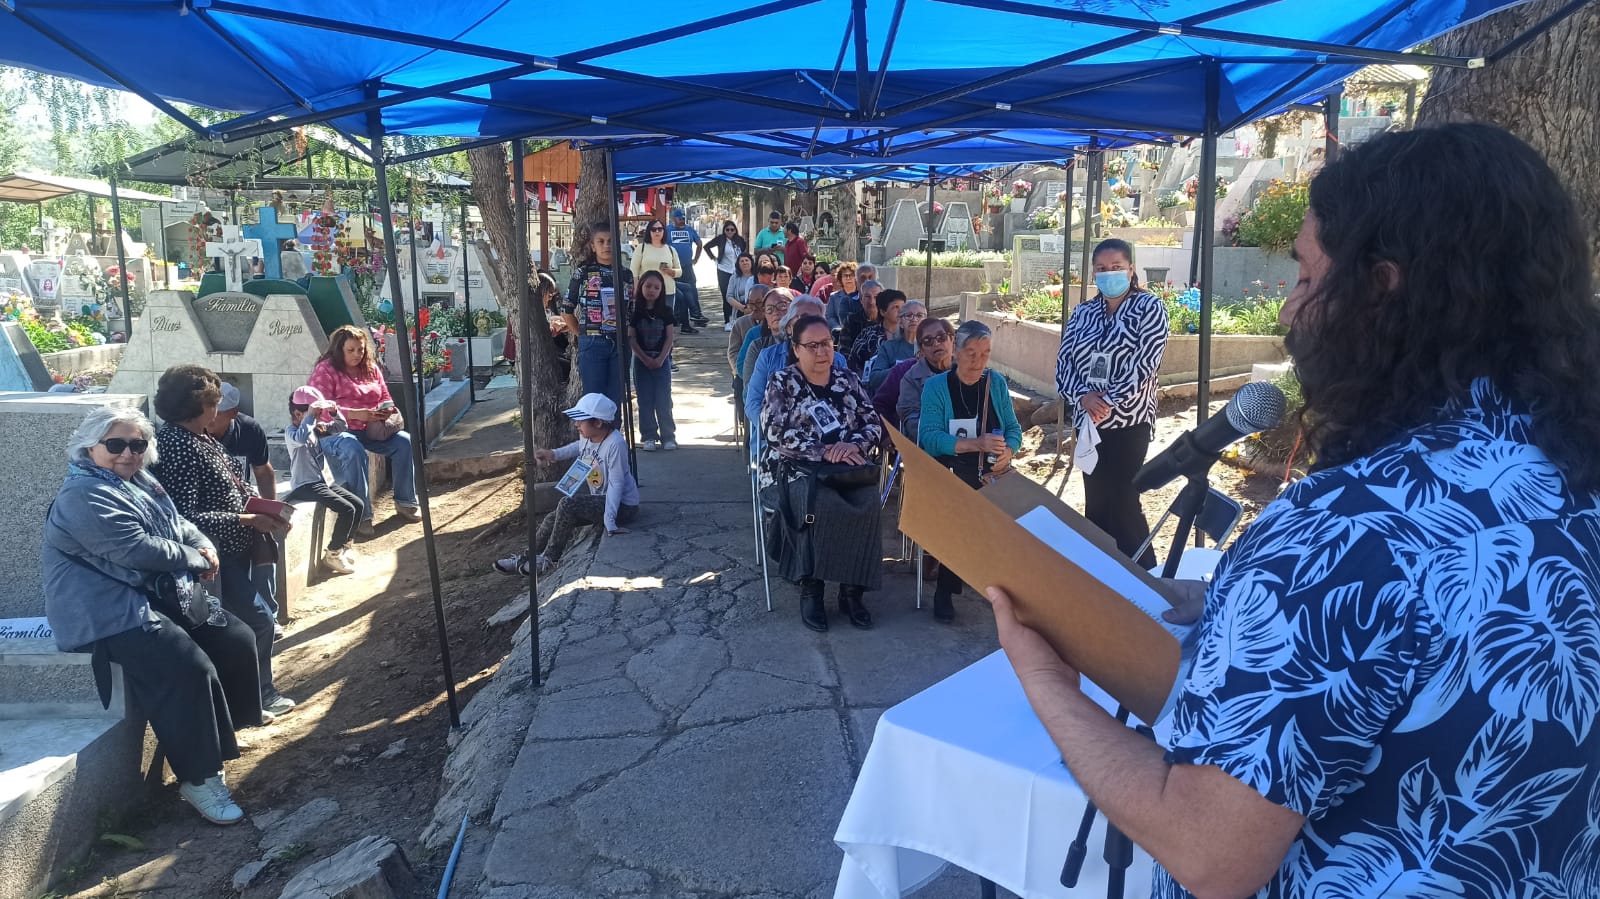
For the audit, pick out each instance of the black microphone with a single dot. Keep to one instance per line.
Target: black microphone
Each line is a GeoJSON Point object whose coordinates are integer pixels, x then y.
{"type": "Point", "coordinates": [1258, 406]}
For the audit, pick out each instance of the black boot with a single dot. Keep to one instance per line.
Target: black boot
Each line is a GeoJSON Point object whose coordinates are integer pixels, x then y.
{"type": "Point", "coordinates": [812, 612]}
{"type": "Point", "coordinates": [944, 607]}
{"type": "Point", "coordinates": [852, 606]}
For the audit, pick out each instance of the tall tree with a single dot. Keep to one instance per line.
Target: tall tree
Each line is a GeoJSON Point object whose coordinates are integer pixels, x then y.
{"type": "Point", "coordinates": [592, 193]}
{"type": "Point", "coordinates": [1544, 93]}
{"type": "Point", "coordinates": [491, 190]}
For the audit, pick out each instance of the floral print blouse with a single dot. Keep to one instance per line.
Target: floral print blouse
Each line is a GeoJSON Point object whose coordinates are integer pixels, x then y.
{"type": "Point", "coordinates": [799, 420]}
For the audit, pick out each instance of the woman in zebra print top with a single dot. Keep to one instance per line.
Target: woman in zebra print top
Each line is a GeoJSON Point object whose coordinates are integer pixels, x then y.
{"type": "Point", "coordinates": [1106, 370]}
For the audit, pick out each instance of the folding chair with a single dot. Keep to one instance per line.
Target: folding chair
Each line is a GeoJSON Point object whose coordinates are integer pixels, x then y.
{"type": "Point", "coordinates": [759, 512]}
{"type": "Point", "coordinates": [908, 547]}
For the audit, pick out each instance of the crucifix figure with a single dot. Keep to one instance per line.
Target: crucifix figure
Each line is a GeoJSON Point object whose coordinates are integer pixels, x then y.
{"type": "Point", "coordinates": [235, 254]}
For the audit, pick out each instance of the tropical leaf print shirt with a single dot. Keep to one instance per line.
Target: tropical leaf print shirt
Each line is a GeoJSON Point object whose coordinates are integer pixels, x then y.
{"type": "Point", "coordinates": [1406, 650]}
{"type": "Point", "coordinates": [1118, 354]}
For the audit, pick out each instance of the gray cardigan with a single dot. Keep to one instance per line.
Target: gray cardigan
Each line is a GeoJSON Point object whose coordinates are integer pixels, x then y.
{"type": "Point", "coordinates": [100, 522]}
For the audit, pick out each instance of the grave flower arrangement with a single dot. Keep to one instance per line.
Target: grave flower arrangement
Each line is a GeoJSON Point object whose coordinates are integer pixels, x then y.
{"type": "Point", "coordinates": [327, 233]}
{"type": "Point", "coordinates": [1020, 187]}
{"type": "Point", "coordinates": [1275, 219]}
{"type": "Point", "coordinates": [993, 197]}
{"type": "Point", "coordinates": [1116, 167]}
{"type": "Point", "coordinates": [14, 306]}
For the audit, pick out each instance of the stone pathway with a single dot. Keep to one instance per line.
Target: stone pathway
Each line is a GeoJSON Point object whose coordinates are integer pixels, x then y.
{"type": "Point", "coordinates": [686, 741]}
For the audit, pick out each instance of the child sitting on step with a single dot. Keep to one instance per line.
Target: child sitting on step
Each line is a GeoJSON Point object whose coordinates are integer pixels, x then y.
{"type": "Point", "coordinates": [312, 417]}
{"type": "Point", "coordinates": [599, 487]}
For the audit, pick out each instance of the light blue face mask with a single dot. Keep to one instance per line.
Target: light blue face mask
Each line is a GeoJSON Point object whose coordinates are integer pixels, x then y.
{"type": "Point", "coordinates": [1112, 284]}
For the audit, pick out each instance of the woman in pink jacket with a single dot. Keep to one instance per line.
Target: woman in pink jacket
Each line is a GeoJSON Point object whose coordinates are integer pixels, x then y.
{"type": "Point", "coordinates": [349, 375]}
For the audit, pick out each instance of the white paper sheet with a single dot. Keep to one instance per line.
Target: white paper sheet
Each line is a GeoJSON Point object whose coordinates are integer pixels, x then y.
{"type": "Point", "coordinates": [1056, 534]}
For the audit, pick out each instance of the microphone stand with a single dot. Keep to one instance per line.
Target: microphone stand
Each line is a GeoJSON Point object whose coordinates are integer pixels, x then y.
{"type": "Point", "coordinates": [1118, 849]}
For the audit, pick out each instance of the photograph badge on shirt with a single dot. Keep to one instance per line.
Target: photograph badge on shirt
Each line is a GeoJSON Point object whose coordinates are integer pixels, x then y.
{"type": "Point", "coordinates": [1099, 370]}
{"type": "Point", "coordinates": [962, 428]}
{"type": "Point", "coordinates": [582, 468]}
{"type": "Point", "coordinates": [826, 419]}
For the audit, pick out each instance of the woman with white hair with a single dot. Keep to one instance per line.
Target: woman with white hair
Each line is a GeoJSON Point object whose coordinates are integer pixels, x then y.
{"type": "Point", "coordinates": [122, 573]}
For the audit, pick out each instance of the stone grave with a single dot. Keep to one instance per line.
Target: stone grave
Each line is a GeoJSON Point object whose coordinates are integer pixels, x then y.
{"type": "Point", "coordinates": [485, 292]}
{"type": "Point", "coordinates": [46, 276]}
{"type": "Point", "coordinates": [1033, 257]}
{"type": "Point", "coordinates": [270, 234]}
{"type": "Point", "coordinates": [1242, 194]}
{"type": "Point", "coordinates": [334, 301]}
{"type": "Point", "coordinates": [21, 366]}
{"type": "Point", "coordinates": [78, 245]}
{"type": "Point", "coordinates": [65, 763]}
{"type": "Point", "coordinates": [957, 227]}
{"type": "Point", "coordinates": [72, 292]}
{"type": "Point", "coordinates": [905, 230]}
{"type": "Point", "coordinates": [266, 346]}
{"type": "Point", "coordinates": [14, 273]}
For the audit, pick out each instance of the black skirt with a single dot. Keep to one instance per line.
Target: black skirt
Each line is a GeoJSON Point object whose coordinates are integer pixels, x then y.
{"type": "Point", "coordinates": [827, 533]}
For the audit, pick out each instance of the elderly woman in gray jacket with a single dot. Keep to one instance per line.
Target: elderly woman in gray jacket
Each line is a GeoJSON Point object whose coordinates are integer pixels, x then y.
{"type": "Point", "coordinates": [110, 533]}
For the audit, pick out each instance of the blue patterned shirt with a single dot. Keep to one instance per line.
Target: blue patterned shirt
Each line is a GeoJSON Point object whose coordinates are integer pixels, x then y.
{"type": "Point", "coordinates": [1406, 650]}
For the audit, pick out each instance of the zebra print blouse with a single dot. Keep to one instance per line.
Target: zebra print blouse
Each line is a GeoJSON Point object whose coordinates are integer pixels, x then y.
{"type": "Point", "coordinates": [1117, 353]}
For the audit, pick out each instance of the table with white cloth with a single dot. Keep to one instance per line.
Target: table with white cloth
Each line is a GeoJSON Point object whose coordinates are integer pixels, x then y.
{"type": "Point", "coordinates": [963, 773]}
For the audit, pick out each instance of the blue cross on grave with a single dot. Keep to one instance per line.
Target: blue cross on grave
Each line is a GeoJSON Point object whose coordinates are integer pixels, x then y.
{"type": "Point", "coordinates": [269, 231]}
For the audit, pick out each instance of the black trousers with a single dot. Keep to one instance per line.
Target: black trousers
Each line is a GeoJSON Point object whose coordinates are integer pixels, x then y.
{"type": "Point", "coordinates": [347, 508]}
{"type": "Point", "coordinates": [195, 687]}
{"type": "Point", "coordinates": [1109, 499]}
{"type": "Point", "coordinates": [722, 284]}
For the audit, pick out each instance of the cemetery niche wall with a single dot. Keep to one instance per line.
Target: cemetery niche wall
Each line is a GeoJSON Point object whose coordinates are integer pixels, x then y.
{"type": "Point", "coordinates": [266, 346]}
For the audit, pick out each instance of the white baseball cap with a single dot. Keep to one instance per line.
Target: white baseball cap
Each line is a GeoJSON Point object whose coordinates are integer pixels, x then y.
{"type": "Point", "coordinates": [593, 406]}
{"type": "Point", "coordinates": [230, 398]}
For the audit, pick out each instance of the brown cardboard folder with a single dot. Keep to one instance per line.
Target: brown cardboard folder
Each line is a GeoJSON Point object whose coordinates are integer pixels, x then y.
{"type": "Point", "coordinates": [975, 534]}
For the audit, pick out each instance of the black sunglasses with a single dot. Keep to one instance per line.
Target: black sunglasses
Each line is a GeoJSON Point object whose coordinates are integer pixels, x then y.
{"type": "Point", "coordinates": [117, 445]}
{"type": "Point", "coordinates": [657, 228]}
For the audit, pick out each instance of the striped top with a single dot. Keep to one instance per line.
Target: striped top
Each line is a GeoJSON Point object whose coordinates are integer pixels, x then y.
{"type": "Point", "coordinates": [1117, 353]}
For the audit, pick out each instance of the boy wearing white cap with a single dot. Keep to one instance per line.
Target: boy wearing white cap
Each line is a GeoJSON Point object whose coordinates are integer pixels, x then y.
{"type": "Point", "coordinates": [599, 487]}
{"type": "Point", "coordinates": [313, 416]}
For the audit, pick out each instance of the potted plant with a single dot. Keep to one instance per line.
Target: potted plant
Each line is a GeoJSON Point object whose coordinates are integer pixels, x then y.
{"type": "Point", "coordinates": [1019, 194]}
{"type": "Point", "coordinates": [993, 199]}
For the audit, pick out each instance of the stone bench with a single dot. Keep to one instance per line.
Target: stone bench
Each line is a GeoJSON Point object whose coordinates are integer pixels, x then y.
{"type": "Point", "coordinates": [302, 548]}
{"type": "Point", "coordinates": [65, 762]}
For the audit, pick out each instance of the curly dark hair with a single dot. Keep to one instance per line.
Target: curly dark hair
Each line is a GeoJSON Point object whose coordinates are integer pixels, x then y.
{"type": "Point", "coordinates": [1453, 254]}
{"type": "Point", "coordinates": [184, 392]}
{"type": "Point", "coordinates": [335, 352]}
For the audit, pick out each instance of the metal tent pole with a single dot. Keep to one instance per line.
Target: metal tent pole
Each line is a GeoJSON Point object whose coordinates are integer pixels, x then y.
{"type": "Point", "coordinates": [621, 299]}
{"type": "Point", "coordinates": [1207, 228]}
{"type": "Point", "coordinates": [166, 253]}
{"type": "Point", "coordinates": [122, 260]}
{"type": "Point", "coordinates": [419, 305]}
{"type": "Point", "coordinates": [466, 299]}
{"type": "Point", "coordinates": [525, 367]}
{"type": "Point", "coordinates": [927, 267]}
{"type": "Point", "coordinates": [385, 209]}
{"type": "Point", "coordinates": [1330, 115]}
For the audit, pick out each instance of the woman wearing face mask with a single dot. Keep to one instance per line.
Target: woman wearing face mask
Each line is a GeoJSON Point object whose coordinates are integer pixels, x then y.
{"type": "Point", "coordinates": [1106, 372]}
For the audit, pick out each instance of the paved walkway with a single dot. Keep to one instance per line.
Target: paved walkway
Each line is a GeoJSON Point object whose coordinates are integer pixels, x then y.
{"type": "Point", "coordinates": [687, 742]}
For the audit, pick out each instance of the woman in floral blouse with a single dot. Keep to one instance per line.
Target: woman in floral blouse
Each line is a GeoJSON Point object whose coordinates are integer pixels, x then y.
{"type": "Point", "coordinates": [208, 490]}
{"type": "Point", "coordinates": [817, 418]}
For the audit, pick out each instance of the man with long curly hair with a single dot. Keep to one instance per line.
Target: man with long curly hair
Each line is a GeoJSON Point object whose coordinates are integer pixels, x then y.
{"type": "Point", "coordinates": [1397, 675]}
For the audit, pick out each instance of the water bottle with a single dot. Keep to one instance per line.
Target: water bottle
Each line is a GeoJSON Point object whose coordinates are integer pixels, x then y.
{"type": "Point", "coordinates": [992, 458]}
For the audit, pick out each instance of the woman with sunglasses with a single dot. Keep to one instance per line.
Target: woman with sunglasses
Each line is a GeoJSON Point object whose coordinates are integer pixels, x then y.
{"type": "Point", "coordinates": [112, 531]}
{"type": "Point", "coordinates": [901, 392]}
{"type": "Point", "coordinates": [656, 255]}
{"type": "Point", "coordinates": [728, 250]}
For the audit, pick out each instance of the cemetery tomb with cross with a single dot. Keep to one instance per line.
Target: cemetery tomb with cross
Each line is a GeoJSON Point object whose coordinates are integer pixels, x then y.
{"type": "Point", "coordinates": [235, 252]}
{"type": "Point", "coordinates": [271, 233]}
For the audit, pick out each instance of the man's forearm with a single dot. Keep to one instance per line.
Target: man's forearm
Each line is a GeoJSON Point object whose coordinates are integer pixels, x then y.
{"type": "Point", "coordinates": [1123, 772]}
{"type": "Point", "coordinates": [266, 481]}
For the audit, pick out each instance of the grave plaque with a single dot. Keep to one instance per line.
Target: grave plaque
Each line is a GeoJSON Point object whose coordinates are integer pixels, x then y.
{"type": "Point", "coordinates": [227, 319]}
{"type": "Point", "coordinates": [1032, 262]}
{"type": "Point", "coordinates": [46, 277]}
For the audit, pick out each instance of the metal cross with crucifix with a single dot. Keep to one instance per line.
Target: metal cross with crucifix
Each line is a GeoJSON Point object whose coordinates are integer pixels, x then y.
{"type": "Point", "coordinates": [235, 254]}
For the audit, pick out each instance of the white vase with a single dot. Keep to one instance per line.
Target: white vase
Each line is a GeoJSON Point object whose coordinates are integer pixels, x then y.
{"type": "Point", "coordinates": [1019, 204]}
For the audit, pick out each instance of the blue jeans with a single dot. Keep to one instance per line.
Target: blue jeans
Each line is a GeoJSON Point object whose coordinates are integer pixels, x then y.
{"type": "Point", "coordinates": [248, 592]}
{"type": "Point", "coordinates": [347, 460]}
{"type": "Point", "coordinates": [598, 366]}
{"type": "Point", "coordinates": [653, 389]}
{"type": "Point", "coordinates": [686, 302]}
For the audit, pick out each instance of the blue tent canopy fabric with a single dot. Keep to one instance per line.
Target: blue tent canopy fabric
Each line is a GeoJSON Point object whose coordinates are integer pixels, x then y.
{"type": "Point", "coordinates": [503, 68]}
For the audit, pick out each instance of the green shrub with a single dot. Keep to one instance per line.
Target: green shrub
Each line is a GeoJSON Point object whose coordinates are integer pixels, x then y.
{"type": "Point", "coordinates": [1275, 219]}
{"type": "Point", "coordinates": [952, 259]}
{"type": "Point", "coordinates": [44, 339]}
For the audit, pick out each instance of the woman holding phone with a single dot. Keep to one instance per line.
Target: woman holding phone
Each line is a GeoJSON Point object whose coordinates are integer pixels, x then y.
{"type": "Point", "coordinates": [656, 255]}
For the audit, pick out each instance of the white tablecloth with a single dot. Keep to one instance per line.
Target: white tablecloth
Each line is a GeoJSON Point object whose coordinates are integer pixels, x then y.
{"type": "Point", "coordinates": [964, 773]}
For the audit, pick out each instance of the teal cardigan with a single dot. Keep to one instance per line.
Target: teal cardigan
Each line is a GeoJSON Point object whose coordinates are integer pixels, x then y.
{"type": "Point", "coordinates": [933, 433]}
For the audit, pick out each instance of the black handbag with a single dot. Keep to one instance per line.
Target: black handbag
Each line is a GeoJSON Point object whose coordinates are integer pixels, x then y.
{"type": "Point", "coordinates": [181, 599]}
{"type": "Point", "coordinates": [844, 477]}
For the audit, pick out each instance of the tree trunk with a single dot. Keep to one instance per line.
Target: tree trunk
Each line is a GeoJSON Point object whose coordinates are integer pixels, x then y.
{"type": "Point", "coordinates": [491, 190]}
{"type": "Point", "coordinates": [1544, 93]}
{"type": "Point", "coordinates": [592, 193]}
{"type": "Point", "coordinates": [846, 206]}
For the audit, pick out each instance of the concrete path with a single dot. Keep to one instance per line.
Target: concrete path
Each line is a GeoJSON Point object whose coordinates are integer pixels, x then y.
{"type": "Point", "coordinates": [687, 742]}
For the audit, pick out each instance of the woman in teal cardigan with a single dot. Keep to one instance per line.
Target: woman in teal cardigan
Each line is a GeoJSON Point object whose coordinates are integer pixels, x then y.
{"type": "Point", "coordinates": [970, 426]}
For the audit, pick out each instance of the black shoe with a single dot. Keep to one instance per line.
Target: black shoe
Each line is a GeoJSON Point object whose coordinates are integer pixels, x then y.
{"type": "Point", "coordinates": [702, 322]}
{"type": "Point", "coordinates": [852, 606]}
{"type": "Point", "coordinates": [812, 613]}
{"type": "Point", "coordinates": [944, 608]}
{"type": "Point", "coordinates": [690, 329]}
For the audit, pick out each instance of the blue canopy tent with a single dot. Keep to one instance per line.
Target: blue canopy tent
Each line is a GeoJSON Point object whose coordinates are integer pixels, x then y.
{"type": "Point", "coordinates": [493, 70]}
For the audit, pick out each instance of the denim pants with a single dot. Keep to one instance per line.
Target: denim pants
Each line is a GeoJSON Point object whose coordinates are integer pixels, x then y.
{"type": "Point", "coordinates": [347, 460]}
{"type": "Point", "coordinates": [723, 279]}
{"type": "Point", "coordinates": [598, 366]}
{"type": "Point", "coordinates": [248, 592]}
{"type": "Point", "coordinates": [653, 389]}
{"type": "Point", "coordinates": [686, 302]}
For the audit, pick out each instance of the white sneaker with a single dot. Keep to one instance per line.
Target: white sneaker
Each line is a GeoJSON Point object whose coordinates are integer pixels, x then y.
{"type": "Point", "coordinates": [647, 446]}
{"type": "Point", "coordinates": [670, 445]}
{"type": "Point", "coordinates": [336, 563]}
{"type": "Point", "coordinates": [348, 557]}
{"type": "Point", "coordinates": [728, 326]}
{"type": "Point", "coordinates": [212, 800]}
{"type": "Point", "coordinates": [278, 704]}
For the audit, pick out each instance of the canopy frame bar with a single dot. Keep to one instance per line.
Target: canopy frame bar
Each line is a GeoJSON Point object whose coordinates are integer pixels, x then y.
{"type": "Point", "coordinates": [1179, 29]}
{"type": "Point", "coordinates": [883, 59]}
